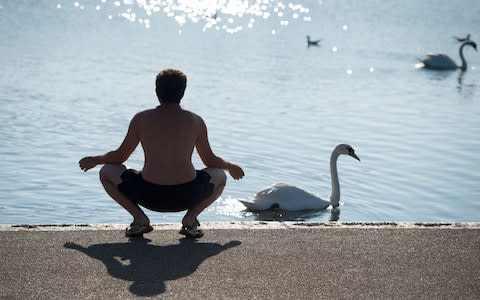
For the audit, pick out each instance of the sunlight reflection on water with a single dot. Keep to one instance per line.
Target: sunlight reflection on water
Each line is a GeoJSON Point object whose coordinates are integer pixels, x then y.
{"type": "Point", "coordinates": [228, 15]}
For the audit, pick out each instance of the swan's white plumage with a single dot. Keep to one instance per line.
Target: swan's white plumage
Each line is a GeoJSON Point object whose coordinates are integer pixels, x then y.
{"type": "Point", "coordinates": [285, 197]}
{"type": "Point", "coordinates": [291, 198]}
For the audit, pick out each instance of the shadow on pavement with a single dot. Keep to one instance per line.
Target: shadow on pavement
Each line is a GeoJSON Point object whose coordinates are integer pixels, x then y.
{"type": "Point", "coordinates": [149, 266]}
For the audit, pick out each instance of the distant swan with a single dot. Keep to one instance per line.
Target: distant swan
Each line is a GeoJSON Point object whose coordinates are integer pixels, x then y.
{"type": "Point", "coordinates": [312, 43]}
{"type": "Point", "coordinates": [445, 62]}
{"type": "Point", "coordinates": [467, 38]}
{"type": "Point", "coordinates": [290, 198]}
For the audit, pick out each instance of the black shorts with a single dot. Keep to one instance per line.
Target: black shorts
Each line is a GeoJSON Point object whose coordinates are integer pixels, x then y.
{"type": "Point", "coordinates": [165, 198]}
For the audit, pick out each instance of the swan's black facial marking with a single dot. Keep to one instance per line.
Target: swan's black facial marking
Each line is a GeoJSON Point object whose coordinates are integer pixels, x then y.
{"type": "Point", "coordinates": [350, 151]}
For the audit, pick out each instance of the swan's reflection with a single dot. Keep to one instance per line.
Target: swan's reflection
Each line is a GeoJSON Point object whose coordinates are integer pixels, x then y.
{"type": "Point", "coordinates": [335, 214]}
{"type": "Point", "coordinates": [438, 75]}
{"type": "Point", "coordinates": [467, 90]}
{"type": "Point", "coordinates": [460, 78]}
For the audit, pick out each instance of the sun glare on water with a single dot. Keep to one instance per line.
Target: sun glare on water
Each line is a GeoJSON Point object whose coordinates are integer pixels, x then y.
{"type": "Point", "coordinates": [227, 15]}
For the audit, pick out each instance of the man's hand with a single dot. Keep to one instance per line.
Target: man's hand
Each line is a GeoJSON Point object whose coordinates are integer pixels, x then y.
{"type": "Point", "coordinates": [88, 162]}
{"type": "Point", "coordinates": [236, 172]}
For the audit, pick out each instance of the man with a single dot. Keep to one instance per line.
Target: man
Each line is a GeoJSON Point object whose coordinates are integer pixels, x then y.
{"type": "Point", "coordinates": [168, 180]}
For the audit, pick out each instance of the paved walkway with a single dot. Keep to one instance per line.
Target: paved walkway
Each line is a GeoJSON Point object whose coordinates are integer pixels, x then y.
{"type": "Point", "coordinates": [243, 261]}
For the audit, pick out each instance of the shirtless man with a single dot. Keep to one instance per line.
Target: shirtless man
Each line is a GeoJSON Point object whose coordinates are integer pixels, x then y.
{"type": "Point", "coordinates": [168, 181]}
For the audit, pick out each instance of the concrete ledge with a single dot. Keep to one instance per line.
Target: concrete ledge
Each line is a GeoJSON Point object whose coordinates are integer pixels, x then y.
{"type": "Point", "coordinates": [247, 225]}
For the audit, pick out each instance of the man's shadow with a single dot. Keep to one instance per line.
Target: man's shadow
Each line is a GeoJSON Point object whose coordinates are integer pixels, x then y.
{"type": "Point", "coordinates": [149, 266]}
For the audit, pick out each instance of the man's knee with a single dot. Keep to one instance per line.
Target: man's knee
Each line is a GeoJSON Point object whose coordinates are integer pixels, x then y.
{"type": "Point", "coordinates": [218, 176]}
{"type": "Point", "coordinates": [104, 171]}
{"type": "Point", "coordinates": [111, 172]}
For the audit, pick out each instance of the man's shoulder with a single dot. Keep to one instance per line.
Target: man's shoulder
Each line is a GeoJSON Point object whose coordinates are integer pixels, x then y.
{"type": "Point", "coordinates": [193, 115]}
{"type": "Point", "coordinates": [144, 113]}
{"type": "Point", "coordinates": [148, 114]}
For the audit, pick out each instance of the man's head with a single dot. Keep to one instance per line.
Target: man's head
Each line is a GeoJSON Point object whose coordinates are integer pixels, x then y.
{"type": "Point", "coordinates": [170, 85]}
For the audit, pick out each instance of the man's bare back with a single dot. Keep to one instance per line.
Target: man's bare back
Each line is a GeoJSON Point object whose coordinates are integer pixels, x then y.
{"type": "Point", "coordinates": [168, 135]}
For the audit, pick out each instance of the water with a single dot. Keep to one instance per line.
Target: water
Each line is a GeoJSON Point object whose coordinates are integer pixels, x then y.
{"type": "Point", "coordinates": [73, 75]}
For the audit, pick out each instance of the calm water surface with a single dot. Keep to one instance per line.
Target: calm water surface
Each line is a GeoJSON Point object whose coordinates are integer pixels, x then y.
{"type": "Point", "coordinates": [73, 74]}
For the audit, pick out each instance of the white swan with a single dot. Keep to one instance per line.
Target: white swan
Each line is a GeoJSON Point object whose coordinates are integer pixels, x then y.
{"type": "Point", "coordinates": [290, 198]}
{"type": "Point", "coordinates": [445, 62]}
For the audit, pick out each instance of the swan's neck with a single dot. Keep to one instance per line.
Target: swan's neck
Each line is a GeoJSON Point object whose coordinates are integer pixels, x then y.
{"type": "Point", "coordinates": [335, 197]}
{"type": "Point", "coordinates": [463, 67]}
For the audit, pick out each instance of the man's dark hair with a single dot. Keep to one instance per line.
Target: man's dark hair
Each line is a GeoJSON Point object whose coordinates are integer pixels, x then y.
{"type": "Point", "coordinates": [170, 85]}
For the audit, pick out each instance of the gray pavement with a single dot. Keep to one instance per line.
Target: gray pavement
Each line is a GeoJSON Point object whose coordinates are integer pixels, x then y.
{"type": "Point", "coordinates": [259, 261]}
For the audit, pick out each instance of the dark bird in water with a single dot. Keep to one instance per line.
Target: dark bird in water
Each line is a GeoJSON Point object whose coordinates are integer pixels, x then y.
{"type": "Point", "coordinates": [312, 43]}
{"type": "Point", "coordinates": [461, 40]}
{"type": "Point", "coordinates": [445, 62]}
{"type": "Point", "coordinates": [212, 16]}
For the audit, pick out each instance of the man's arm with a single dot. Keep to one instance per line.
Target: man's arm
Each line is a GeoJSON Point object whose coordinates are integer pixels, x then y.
{"type": "Point", "coordinates": [117, 156]}
{"type": "Point", "coordinates": [209, 158]}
